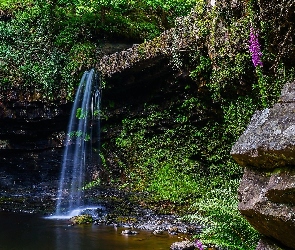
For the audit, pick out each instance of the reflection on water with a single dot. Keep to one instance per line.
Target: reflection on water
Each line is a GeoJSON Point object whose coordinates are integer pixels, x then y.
{"type": "Point", "coordinates": [31, 232]}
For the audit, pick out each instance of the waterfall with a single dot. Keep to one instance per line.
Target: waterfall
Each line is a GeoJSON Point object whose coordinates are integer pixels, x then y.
{"type": "Point", "coordinates": [81, 145]}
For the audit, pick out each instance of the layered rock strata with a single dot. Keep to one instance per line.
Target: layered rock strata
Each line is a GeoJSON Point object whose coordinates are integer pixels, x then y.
{"type": "Point", "coordinates": [267, 191]}
{"type": "Point", "coordinates": [31, 141]}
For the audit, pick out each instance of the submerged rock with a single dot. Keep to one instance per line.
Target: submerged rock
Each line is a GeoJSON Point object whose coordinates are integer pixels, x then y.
{"type": "Point", "coordinates": [267, 190]}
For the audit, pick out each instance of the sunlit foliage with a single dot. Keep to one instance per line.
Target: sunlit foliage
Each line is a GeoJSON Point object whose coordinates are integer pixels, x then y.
{"type": "Point", "coordinates": [47, 45]}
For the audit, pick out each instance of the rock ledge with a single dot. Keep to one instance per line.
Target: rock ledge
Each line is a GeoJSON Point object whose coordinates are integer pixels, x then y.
{"type": "Point", "coordinates": [267, 190]}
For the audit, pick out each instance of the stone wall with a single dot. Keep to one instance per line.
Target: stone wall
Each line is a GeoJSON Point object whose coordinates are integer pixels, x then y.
{"type": "Point", "coordinates": [267, 191]}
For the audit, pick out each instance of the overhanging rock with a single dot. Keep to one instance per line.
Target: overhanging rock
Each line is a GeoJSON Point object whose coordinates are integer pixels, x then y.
{"type": "Point", "coordinates": [269, 140]}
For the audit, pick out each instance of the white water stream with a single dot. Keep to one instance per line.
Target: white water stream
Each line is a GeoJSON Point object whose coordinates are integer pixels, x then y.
{"type": "Point", "coordinates": [81, 153]}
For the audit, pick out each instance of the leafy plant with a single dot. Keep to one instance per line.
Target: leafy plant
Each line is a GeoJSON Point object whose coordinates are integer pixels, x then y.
{"type": "Point", "coordinates": [82, 219]}
{"type": "Point", "coordinates": [92, 184]}
{"type": "Point", "coordinates": [46, 46]}
{"type": "Point", "coordinates": [224, 226]}
{"type": "Point", "coordinates": [79, 134]}
{"type": "Point", "coordinates": [81, 114]}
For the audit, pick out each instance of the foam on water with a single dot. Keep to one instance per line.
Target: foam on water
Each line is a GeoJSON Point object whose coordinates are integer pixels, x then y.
{"type": "Point", "coordinates": [93, 211]}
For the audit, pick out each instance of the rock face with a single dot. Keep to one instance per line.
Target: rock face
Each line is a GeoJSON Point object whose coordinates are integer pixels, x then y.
{"type": "Point", "coordinates": [31, 140]}
{"type": "Point", "coordinates": [267, 190]}
{"type": "Point", "coordinates": [280, 14]}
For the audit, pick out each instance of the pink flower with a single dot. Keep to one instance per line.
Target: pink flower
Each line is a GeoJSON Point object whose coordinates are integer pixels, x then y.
{"type": "Point", "coordinates": [199, 245]}
{"type": "Point", "coordinates": [254, 48]}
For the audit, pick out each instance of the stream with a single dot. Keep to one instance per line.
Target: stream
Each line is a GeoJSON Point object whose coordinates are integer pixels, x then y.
{"type": "Point", "coordinates": [24, 231]}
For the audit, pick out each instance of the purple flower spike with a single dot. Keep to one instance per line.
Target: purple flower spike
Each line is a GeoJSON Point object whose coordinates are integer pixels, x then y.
{"type": "Point", "coordinates": [254, 48]}
{"type": "Point", "coordinates": [199, 245]}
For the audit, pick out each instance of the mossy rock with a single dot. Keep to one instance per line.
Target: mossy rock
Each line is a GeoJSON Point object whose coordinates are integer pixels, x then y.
{"type": "Point", "coordinates": [82, 219]}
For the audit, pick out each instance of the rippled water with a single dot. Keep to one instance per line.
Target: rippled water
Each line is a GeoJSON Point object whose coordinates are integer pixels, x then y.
{"type": "Point", "coordinates": [32, 232]}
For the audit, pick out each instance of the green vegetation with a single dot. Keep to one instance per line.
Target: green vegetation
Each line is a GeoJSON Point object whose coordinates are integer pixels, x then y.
{"type": "Point", "coordinates": [189, 165]}
{"type": "Point", "coordinates": [180, 152]}
{"type": "Point", "coordinates": [82, 219]}
{"type": "Point", "coordinates": [92, 184]}
{"type": "Point", "coordinates": [45, 46]}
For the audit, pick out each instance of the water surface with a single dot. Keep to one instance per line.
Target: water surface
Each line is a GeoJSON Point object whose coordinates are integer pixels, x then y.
{"type": "Point", "coordinates": [32, 232]}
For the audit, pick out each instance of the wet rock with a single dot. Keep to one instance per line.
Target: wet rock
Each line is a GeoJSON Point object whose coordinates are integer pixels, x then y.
{"type": "Point", "coordinates": [183, 245]}
{"type": "Point", "coordinates": [193, 229]}
{"type": "Point", "coordinates": [129, 232]}
{"type": "Point", "coordinates": [34, 132]}
{"type": "Point", "coordinates": [267, 190]}
{"type": "Point", "coordinates": [158, 232]}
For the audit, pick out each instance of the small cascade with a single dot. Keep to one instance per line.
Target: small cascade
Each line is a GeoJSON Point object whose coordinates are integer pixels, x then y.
{"type": "Point", "coordinates": [81, 153]}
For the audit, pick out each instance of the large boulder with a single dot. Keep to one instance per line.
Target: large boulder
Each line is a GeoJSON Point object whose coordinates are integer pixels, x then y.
{"type": "Point", "coordinates": [269, 140]}
{"type": "Point", "coordinates": [267, 191]}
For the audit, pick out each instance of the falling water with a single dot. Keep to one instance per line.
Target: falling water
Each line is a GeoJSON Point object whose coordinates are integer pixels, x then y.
{"type": "Point", "coordinates": [81, 145]}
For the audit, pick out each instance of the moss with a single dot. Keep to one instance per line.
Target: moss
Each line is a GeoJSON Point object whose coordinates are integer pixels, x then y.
{"type": "Point", "coordinates": [126, 219]}
{"type": "Point", "coordinates": [82, 219]}
{"type": "Point", "coordinates": [12, 200]}
{"type": "Point", "coordinates": [279, 171]}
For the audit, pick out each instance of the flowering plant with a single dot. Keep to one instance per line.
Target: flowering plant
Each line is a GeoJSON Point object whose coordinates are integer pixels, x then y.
{"type": "Point", "coordinates": [254, 48]}
{"type": "Point", "coordinates": [199, 245]}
